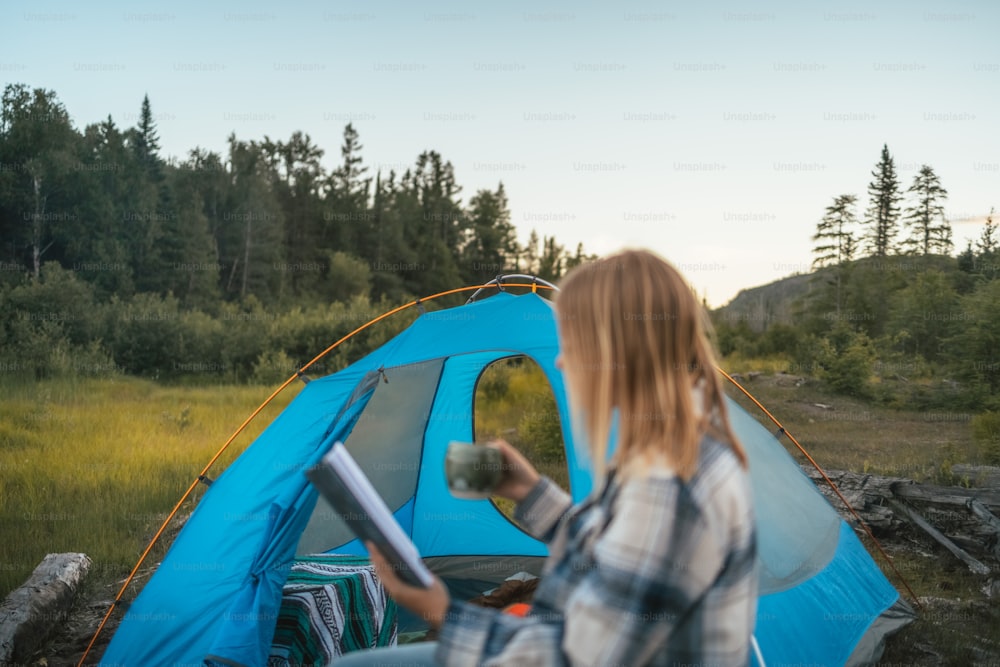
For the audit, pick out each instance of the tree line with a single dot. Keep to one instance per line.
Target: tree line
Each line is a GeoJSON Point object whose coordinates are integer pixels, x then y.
{"type": "Point", "coordinates": [267, 219]}
{"type": "Point", "coordinates": [175, 252]}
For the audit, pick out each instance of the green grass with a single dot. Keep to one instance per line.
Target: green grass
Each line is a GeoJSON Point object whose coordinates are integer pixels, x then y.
{"type": "Point", "coordinates": [850, 434]}
{"type": "Point", "coordinates": [94, 466]}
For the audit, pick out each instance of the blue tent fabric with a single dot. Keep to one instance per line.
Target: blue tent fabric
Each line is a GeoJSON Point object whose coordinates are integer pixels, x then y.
{"type": "Point", "coordinates": [214, 598]}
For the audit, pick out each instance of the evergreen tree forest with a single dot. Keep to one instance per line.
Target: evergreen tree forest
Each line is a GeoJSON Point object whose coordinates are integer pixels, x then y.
{"type": "Point", "coordinates": [889, 313]}
{"type": "Point", "coordinates": [243, 265]}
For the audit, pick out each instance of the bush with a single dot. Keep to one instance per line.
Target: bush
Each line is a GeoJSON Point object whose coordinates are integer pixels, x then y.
{"type": "Point", "coordinates": [47, 325]}
{"type": "Point", "coordinates": [842, 360]}
{"type": "Point", "coordinates": [59, 298]}
{"type": "Point", "coordinates": [245, 335]}
{"type": "Point", "coordinates": [779, 339]}
{"type": "Point", "coordinates": [273, 368]}
{"type": "Point", "coordinates": [986, 433]}
{"type": "Point", "coordinates": [541, 432]}
{"type": "Point", "coordinates": [495, 381]}
{"type": "Point", "coordinates": [347, 276]}
{"type": "Point", "coordinates": [849, 371]}
{"type": "Point", "coordinates": [144, 334]}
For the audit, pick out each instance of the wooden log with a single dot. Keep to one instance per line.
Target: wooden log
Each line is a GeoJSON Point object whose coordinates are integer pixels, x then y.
{"type": "Point", "coordinates": [856, 487]}
{"type": "Point", "coordinates": [980, 512]}
{"type": "Point", "coordinates": [861, 488]}
{"type": "Point", "coordinates": [979, 476]}
{"type": "Point", "coordinates": [991, 523]}
{"type": "Point", "coordinates": [954, 496]}
{"type": "Point", "coordinates": [31, 613]}
{"type": "Point", "coordinates": [914, 516]}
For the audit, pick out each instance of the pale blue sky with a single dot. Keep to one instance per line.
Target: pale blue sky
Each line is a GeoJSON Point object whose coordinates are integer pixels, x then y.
{"type": "Point", "coordinates": [715, 133]}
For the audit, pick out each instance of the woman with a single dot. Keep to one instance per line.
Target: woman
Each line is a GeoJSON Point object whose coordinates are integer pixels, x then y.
{"type": "Point", "coordinates": [656, 566]}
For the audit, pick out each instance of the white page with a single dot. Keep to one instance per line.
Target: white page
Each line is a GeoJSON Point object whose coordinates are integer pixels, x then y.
{"type": "Point", "coordinates": [361, 488]}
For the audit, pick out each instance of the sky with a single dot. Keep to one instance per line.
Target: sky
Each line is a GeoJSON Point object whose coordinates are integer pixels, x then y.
{"type": "Point", "coordinates": [715, 133]}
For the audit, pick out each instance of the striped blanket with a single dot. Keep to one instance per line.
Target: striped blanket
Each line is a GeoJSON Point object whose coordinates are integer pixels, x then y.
{"type": "Point", "coordinates": [331, 605]}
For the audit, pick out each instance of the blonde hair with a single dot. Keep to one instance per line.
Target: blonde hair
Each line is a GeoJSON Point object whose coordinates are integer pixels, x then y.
{"type": "Point", "coordinates": [634, 338]}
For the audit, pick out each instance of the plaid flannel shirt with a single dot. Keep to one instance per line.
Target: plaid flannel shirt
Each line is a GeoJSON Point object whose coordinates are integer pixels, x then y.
{"type": "Point", "coordinates": [647, 571]}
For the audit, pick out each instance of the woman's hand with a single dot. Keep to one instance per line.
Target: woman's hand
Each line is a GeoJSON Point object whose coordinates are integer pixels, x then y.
{"type": "Point", "coordinates": [519, 476]}
{"type": "Point", "coordinates": [429, 604]}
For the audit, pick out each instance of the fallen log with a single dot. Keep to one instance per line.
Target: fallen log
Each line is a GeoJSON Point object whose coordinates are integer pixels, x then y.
{"type": "Point", "coordinates": [31, 613]}
{"type": "Point", "coordinates": [953, 496]}
{"type": "Point", "coordinates": [863, 489]}
{"type": "Point", "coordinates": [914, 516]}
{"type": "Point", "coordinates": [963, 514]}
{"type": "Point", "coordinates": [991, 523]}
{"type": "Point", "coordinates": [983, 514]}
{"type": "Point", "coordinates": [864, 492]}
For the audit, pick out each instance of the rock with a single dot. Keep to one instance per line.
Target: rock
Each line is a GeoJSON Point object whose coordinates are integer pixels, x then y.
{"type": "Point", "coordinates": [34, 612]}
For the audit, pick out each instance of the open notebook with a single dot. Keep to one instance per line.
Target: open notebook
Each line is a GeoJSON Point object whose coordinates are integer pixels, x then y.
{"type": "Point", "coordinates": [339, 479]}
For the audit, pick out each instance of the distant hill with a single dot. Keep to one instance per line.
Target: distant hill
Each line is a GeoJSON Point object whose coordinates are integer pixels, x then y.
{"type": "Point", "coordinates": [776, 302]}
{"type": "Point", "coordinates": [767, 304]}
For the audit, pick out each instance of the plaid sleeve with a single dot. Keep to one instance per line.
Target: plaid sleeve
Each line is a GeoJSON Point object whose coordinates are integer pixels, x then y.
{"type": "Point", "coordinates": [541, 509]}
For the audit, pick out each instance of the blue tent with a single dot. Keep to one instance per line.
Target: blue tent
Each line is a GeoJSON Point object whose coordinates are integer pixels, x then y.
{"type": "Point", "coordinates": [216, 594]}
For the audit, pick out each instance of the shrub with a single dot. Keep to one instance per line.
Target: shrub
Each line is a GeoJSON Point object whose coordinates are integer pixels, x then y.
{"type": "Point", "coordinates": [848, 372]}
{"type": "Point", "coordinates": [273, 367]}
{"type": "Point", "coordinates": [986, 433]}
{"type": "Point", "coordinates": [842, 360]}
{"type": "Point", "coordinates": [541, 433]}
{"type": "Point", "coordinates": [144, 334]}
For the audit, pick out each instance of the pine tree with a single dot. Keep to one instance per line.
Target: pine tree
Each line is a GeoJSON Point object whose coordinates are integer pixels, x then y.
{"type": "Point", "coordinates": [36, 134]}
{"type": "Point", "coordinates": [550, 264]}
{"type": "Point", "coordinates": [349, 225]}
{"type": "Point", "coordinates": [490, 246]}
{"type": "Point", "coordinates": [530, 254]}
{"type": "Point", "coordinates": [967, 259]}
{"type": "Point", "coordinates": [349, 177]}
{"type": "Point", "coordinates": [294, 169]}
{"type": "Point", "coordinates": [883, 207]}
{"type": "Point", "coordinates": [929, 231]}
{"type": "Point", "coordinates": [834, 233]}
{"type": "Point", "coordinates": [573, 261]}
{"type": "Point", "coordinates": [147, 141]}
{"type": "Point", "coordinates": [836, 241]}
{"type": "Point", "coordinates": [986, 258]}
{"type": "Point", "coordinates": [987, 244]}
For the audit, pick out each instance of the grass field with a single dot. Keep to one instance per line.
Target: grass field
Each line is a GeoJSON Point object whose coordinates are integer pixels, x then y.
{"type": "Point", "coordinates": [95, 465]}
{"type": "Point", "coordinates": [848, 434]}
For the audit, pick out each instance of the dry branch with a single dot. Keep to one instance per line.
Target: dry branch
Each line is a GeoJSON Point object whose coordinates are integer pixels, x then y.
{"type": "Point", "coordinates": [914, 516]}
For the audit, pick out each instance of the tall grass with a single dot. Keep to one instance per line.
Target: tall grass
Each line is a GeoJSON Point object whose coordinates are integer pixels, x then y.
{"type": "Point", "coordinates": [95, 465]}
